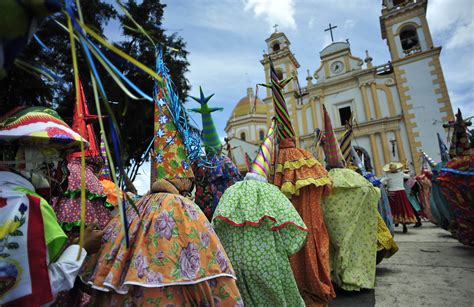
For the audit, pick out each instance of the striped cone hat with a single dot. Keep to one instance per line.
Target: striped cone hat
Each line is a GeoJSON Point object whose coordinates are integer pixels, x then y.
{"type": "Point", "coordinates": [331, 147]}
{"type": "Point", "coordinates": [263, 162]}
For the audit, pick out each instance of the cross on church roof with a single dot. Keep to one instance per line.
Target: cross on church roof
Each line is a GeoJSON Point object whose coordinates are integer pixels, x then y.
{"type": "Point", "coordinates": [330, 30]}
{"type": "Point", "coordinates": [275, 27]}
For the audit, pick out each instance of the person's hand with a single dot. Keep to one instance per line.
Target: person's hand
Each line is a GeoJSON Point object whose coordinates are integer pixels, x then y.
{"type": "Point", "coordinates": [92, 238]}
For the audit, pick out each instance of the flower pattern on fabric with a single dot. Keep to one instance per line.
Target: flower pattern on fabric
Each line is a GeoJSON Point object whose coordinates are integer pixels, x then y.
{"type": "Point", "coordinates": [189, 262]}
{"type": "Point", "coordinates": [259, 228]}
{"type": "Point", "coordinates": [350, 214]}
{"type": "Point", "coordinates": [164, 225]}
{"type": "Point", "coordinates": [68, 210]}
{"type": "Point", "coordinates": [170, 252]}
{"type": "Point", "coordinates": [212, 182]}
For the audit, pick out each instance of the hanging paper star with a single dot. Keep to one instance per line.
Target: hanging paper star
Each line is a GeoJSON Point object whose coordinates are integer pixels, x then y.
{"type": "Point", "coordinates": [161, 102]}
{"type": "Point", "coordinates": [170, 140]}
{"type": "Point", "coordinates": [159, 158]}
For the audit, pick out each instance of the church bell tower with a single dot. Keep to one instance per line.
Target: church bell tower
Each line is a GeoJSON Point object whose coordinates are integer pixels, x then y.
{"type": "Point", "coordinates": [286, 65]}
{"type": "Point", "coordinates": [420, 81]}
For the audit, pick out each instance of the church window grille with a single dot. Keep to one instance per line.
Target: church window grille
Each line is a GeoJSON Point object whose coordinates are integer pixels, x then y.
{"type": "Point", "coordinates": [345, 114]}
{"type": "Point", "coordinates": [261, 135]}
{"type": "Point", "coordinates": [242, 136]}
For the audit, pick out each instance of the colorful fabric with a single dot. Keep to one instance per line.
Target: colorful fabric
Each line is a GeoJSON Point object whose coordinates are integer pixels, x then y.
{"type": "Point", "coordinates": [425, 196]}
{"type": "Point", "coordinates": [211, 182]}
{"type": "Point", "coordinates": [82, 124]}
{"type": "Point", "coordinates": [402, 211]}
{"type": "Point", "coordinates": [111, 193]}
{"type": "Point", "coordinates": [285, 129]}
{"type": "Point", "coordinates": [332, 151]}
{"type": "Point", "coordinates": [263, 161]}
{"type": "Point", "coordinates": [458, 190]}
{"type": "Point", "coordinates": [386, 246]}
{"type": "Point", "coordinates": [412, 197]}
{"type": "Point", "coordinates": [68, 206]}
{"type": "Point", "coordinates": [445, 212]}
{"type": "Point", "coordinates": [297, 168]}
{"type": "Point", "coordinates": [38, 126]}
{"type": "Point", "coordinates": [170, 160]}
{"type": "Point", "coordinates": [260, 228]}
{"type": "Point", "coordinates": [210, 136]}
{"type": "Point", "coordinates": [460, 139]}
{"type": "Point", "coordinates": [302, 178]}
{"type": "Point", "coordinates": [24, 278]}
{"type": "Point", "coordinates": [385, 211]}
{"type": "Point", "coordinates": [350, 213]}
{"type": "Point", "coordinates": [172, 247]}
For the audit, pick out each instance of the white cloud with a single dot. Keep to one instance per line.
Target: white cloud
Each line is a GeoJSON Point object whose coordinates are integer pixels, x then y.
{"type": "Point", "coordinates": [452, 21]}
{"type": "Point", "coordinates": [311, 23]}
{"type": "Point", "coordinates": [281, 12]}
{"type": "Point", "coordinates": [349, 23]}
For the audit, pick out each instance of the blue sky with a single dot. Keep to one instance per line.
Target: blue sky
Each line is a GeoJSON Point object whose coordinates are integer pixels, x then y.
{"type": "Point", "coordinates": [226, 39]}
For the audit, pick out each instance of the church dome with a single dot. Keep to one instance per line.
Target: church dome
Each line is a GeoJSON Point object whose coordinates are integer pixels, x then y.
{"type": "Point", "coordinates": [246, 104]}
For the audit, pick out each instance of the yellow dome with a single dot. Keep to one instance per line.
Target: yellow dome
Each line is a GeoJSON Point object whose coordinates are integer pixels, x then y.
{"type": "Point", "coordinates": [246, 104]}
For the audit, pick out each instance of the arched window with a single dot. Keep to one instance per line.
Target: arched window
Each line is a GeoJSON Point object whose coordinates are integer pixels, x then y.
{"type": "Point", "coordinates": [409, 39]}
{"type": "Point", "coordinates": [279, 73]}
{"type": "Point", "coordinates": [242, 136]}
{"type": "Point", "coordinates": [261, 135]}
{"type": "Point", "coordinates": [276, 47]}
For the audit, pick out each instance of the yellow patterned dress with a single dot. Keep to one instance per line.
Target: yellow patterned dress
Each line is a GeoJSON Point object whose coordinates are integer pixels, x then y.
{"type": "Point", "coordinates": [174, 258]}
{"type": "Point", "coordinates": [350, 214]}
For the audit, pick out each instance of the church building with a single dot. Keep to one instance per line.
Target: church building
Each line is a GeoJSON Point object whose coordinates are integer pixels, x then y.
{"type": "Point", "coordinates": [398, 106]}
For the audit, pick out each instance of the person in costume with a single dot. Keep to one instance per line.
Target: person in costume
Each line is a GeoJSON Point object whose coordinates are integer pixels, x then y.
{"type": "Point", "coordinates": [350, 214]}
{"type": "Point", "coordinates": [67, 207]}
{"type": "Point", "coordinates": [457, 181]}
{"type": "Point", "coordinates": [173, 256]}
{"type": "Point", "coordinates": [34, 266]}
{"type": "Point", "coordinates": [304, 180]}
{"type": "Point", "coordinates": [402, 211]}
{"type": "Point", "coordinates": [412, 189]}
{"type": "Point", "coordinates": [212, 180]}
{"type": "Point", "coordinates": [260, 229]}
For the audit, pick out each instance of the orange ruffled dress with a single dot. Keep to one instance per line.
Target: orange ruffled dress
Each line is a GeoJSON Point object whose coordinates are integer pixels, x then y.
{"type": "Point", "coordinates": [303, 179]}
{"type": "Point", "coordinates": [175, 257]}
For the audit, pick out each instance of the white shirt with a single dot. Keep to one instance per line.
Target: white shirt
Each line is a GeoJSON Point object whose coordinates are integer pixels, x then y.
{"type": "Point", "coordinates": [394, 181]}
{"type": "Point", "coordinates": [63, 272]}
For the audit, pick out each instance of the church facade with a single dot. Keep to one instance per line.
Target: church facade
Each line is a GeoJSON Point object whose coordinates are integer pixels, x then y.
{"type": "Point", "coordinates": [398, 106]}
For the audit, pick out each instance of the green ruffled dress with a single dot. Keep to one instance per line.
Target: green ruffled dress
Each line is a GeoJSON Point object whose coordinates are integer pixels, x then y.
{"type": "Point", "coordinates": [260, 229]}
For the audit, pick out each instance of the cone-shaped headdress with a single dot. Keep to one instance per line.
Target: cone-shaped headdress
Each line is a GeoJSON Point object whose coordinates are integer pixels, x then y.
{"type": "Point", "coordinates": [82, 124]}
{"type": "Point", "coordinates": [285, 129]}
{"type": "Point", "coordinates": [460, 139]}
{"type": "Point", "coordinates": [170, 159]}
{"type": "Point", "coordinates": [210, 136]}
{"type": "Point", "coordinates": [264, 160]}
{"type": "Point", "coordinates": [331, 147]}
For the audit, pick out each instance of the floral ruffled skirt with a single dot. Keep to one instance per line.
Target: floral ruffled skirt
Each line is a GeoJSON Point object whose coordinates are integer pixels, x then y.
{"type": "Point", "coordinates": [174, 257]}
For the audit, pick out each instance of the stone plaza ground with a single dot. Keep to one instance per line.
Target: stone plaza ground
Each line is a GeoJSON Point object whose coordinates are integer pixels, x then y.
{"type": "Point", "coordinates": [430, 269]}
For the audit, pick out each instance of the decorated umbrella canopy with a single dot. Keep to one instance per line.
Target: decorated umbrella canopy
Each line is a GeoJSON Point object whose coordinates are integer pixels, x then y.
{"type": "Point", "coordinates": [38, 126]}
{"type": "Point", "coordinates": [254, 215]}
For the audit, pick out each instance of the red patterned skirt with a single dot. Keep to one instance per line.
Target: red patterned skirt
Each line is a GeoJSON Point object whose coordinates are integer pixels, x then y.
{"type": "Point", "coordinates": [402, 211]}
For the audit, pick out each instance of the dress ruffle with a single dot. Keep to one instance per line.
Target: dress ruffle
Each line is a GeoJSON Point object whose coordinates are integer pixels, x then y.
{"type": "Point", "coordinates": [171, 244]}
{"type": "Point", "coordinates": [298, 168]}
{"type": "Point", "coordinates": [386, 246]}
{"type": "Point", "coordinates": [256, 203]}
